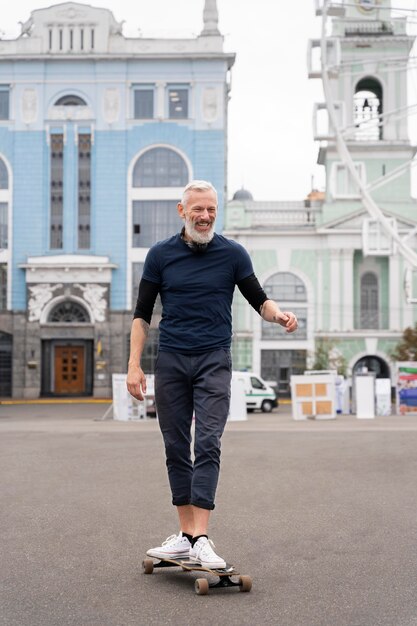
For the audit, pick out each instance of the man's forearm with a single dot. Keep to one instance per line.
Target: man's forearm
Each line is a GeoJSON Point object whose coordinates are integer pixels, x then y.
{"type": "Point", "coordinates": [138, 335]}
{"type": "Point", "coordinates": [270, 311]}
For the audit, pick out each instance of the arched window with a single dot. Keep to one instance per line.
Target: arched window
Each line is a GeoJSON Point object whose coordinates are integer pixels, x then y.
{"type": "Point", "coordinates": [4, 176]}
{"type": "Point", "coordinates": [71, 101]}
{"type": "Point", "coordinates": [369, 301]}
{"type": "Point", "coordinates": [160, 167]}
{"type": "Point", "coordinates": [69, 312]}
{"type": "Point", "coordinates": [367, 103]}
{"type": "Point", "coordinates": [291, 294]}
{"type": "Point", "coordinates": [154, 213]}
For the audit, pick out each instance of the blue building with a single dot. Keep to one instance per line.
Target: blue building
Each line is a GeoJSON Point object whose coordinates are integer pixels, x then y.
{"type": "Point", "coordinates": [98, 135]}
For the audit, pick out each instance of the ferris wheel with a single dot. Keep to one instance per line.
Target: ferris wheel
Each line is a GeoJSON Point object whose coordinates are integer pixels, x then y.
{"type": "Point", "coordinates": [368, 123]}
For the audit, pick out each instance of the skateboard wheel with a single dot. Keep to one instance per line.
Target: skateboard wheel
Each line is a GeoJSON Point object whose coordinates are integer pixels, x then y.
{"type": "Point", "coordinates": [245, 583]}
{"type": "Point", "coordinates": [147, 565]}
{"type": "Point", "coordinates": [201, 586]}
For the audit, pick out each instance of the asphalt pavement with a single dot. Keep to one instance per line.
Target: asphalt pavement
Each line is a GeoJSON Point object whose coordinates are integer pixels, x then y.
{"type": "Point", "coordinates": [321, 515]}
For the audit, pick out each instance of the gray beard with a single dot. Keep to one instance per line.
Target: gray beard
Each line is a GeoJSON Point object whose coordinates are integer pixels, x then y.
{"type": "Point", "coordinates": [195, 235]}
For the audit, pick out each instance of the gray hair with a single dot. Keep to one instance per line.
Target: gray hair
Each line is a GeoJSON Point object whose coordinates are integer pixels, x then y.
{"type": "Point", "coordinates": [197, 185]}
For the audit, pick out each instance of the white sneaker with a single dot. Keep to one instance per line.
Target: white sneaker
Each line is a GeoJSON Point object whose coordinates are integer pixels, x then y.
{"type": "Point", "coordinates": [174, 547]}
{"type": "Point", "coordinates": [203, 553]}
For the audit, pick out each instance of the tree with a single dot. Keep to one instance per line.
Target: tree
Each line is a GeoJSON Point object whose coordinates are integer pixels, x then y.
{"type": "Point", "coordinates": [406, 349]}
{"type": "Point", "coordinates": [328, 357]}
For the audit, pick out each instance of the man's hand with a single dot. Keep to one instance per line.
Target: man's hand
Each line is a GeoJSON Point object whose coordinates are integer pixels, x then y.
{"type": "Point", "coordinates": [136, 382]}
{"type": "Point", "coordinates": [288, 321]}
{"type": "Point", "coordinates": [271, 312]}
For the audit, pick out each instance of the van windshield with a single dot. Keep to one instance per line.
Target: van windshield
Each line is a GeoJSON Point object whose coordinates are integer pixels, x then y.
{"type": "Point", "coordinates": [256, 383]}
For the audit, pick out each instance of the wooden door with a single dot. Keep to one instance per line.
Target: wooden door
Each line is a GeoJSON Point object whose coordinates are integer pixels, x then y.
{"type": "Point", "coordinates": [69, 369]}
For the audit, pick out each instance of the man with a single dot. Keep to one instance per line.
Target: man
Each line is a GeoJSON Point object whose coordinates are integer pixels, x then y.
{"type": "Point", "coordinates": [195, 273]}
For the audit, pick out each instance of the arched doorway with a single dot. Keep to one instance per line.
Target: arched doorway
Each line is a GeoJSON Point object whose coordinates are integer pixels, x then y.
{"type": "Point", "coordinates": [67, 357]}
{"type": "Point", "coordinates": [372, 363]}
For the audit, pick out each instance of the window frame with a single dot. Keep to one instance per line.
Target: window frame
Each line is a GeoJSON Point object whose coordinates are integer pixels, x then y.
{"type": "Point", "coordinates": [5, 253]}
{"type": "Point", "coordinates": [299, 306]}
{"type": "Point", "coordinates": [5, 88]}
{"type": "Point", "coordinates": [138, 255]}
{"type": "Point", "coordinates": [78, 101]}
{"type": "Point", "coordinates": [137, 88]}
{"type": "Point", "coordinates": [182, 178]}
{"type": "Point", "coordinates": [84, 218]}
{"type": "Point", "coordinates": [375, 311]}
{"type": "Point", "coordinates": [343, 195]}
{"type": "Point", "coordinates": [179, 87]}
{"type": "Point", "coordinates": [53, 222]}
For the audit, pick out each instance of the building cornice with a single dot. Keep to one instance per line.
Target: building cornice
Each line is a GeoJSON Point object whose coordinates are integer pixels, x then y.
{"type": "Point", "coordinates": [195, 56]}
{"type": "Point", "coordinates": [359, 334]}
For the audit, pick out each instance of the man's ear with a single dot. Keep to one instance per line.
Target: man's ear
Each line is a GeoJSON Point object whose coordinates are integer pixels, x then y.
{"type": "Point", "coordinates": [181, 210]}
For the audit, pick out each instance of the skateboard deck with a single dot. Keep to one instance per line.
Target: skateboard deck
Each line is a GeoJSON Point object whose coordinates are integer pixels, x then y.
{"type": "Point", "coordinates": [201, 585]}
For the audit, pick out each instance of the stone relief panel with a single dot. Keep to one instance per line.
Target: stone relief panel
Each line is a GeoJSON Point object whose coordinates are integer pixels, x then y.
{"type": "Point", "coordinates": [94, 295]}
{"type": "Point", "coordinates": [29, 106]}
{"type": "Point", "coordinates": [210, 104]}
{"type": "Point", "coordinates": [39, 296]}
{"type": "Point", "coordinates": [70, 13]}
{"type": "Point", "coordinates": [70, 113]}
{"type": "Point", "coordinates": [111, 105]}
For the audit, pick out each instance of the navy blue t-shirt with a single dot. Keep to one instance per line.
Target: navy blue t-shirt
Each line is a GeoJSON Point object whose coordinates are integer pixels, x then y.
{"type": "Point", "coordinates": [196, 291]}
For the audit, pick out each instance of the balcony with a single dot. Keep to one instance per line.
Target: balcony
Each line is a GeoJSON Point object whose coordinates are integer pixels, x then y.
{"type": "Point", "coordinates": [368, 28]}
{"type": "Point", "coordinates": [271, 216]}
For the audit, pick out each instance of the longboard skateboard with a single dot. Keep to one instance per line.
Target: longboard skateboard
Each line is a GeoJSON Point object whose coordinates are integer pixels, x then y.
{"type": "Point", "coordinates": [202, 585]}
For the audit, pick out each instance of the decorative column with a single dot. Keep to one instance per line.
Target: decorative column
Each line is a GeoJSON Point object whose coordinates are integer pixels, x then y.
{"type": "Point", "coordinates": [347, 295]}
{"type": "Point", "coordinates": [396, 292]}
{"type": "Point", "coordinates": [160, 100]}
{"type": "Point", "coordinates": [336, 290]}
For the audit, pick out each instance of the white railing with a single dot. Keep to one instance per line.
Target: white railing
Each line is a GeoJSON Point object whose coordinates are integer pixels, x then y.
{"type": "Point", "coordinates": [269, 218]}
{"type": "Point", "coordinates": [362, 28]}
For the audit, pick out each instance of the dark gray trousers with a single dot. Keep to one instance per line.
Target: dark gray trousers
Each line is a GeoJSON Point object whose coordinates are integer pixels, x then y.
{"type": "Point", "coordinates": [196, 385]}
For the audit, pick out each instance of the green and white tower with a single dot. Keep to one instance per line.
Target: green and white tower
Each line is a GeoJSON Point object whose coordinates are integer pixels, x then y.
{"type": "Point", "coordinates": [363, 61]}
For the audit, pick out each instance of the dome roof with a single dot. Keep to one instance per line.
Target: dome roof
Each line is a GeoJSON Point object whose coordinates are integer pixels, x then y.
{"type": "Point", "coordinates": [242, 194]}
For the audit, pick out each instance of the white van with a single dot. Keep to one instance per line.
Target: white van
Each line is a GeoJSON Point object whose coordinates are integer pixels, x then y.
{"type": "Point", "coordinates": [259, 395]}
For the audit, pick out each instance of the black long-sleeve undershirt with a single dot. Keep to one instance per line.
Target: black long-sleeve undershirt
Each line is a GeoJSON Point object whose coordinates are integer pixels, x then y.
{"type": "Point", "coordinates": [249, 287]}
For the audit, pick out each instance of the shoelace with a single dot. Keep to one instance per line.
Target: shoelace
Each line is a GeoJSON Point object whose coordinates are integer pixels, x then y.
{"type": "Point", "coordinates": [207, 548]}
{"type": "Point", "coordinates": [169, 539]}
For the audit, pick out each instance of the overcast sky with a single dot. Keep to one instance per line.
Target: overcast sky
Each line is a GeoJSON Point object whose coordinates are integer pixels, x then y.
{"type": "Point", "coordinates": [271, 147]}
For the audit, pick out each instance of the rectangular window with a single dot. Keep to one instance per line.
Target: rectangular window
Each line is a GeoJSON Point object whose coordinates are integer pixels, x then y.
{"type": "Point", "coordinates": [343, 185]}
{"type": "Point", "coordinates": [143, 103]}
{"type": "Point", "coordinates": [50, 38]}
{"type": "Point", "coordinates": [57, 190]}
{"type": "Point", "coordinates": [4, 226]}
{"type": "Point", "coordinates": [3, 287]}
{"type": "Point", "coordinates": [71, 39]}
{"type": "Point", "coordinates": [153, 220]}
{"type": "Point", "coordinates": [84, 190]}
{"type": "Point", "coordinates": [4, 102]}
{"type": "Point", "coordinates": [82, 39]}
{"type": "Point", "coordinates": [280, 365]}
{"type": "Point", "coordinates": [92, 39]}
{"type": "Point", "coordinates": [178, 102]}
